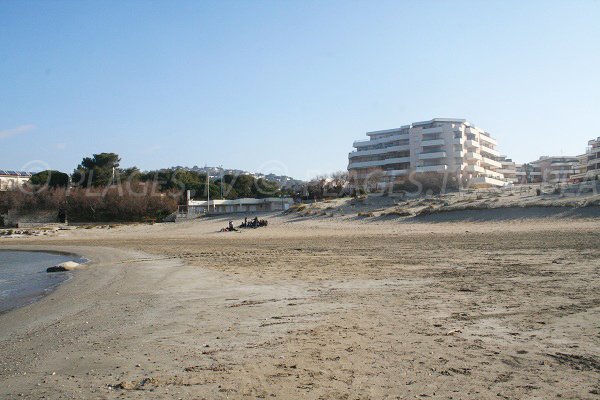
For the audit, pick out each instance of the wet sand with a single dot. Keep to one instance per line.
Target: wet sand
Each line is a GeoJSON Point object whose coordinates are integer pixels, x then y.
{"type": "Point", "coordinates": [316, 308]}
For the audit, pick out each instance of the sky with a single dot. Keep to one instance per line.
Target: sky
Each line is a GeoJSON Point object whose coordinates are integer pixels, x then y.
{"type": "Point", "coordinates": [287, 86]}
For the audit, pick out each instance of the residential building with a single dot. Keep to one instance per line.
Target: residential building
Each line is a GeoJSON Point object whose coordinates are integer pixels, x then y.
{"type": "Point", "coordinates": [247, 205]}
{"type": "Point", "coordinates": [13, 179]}
{"type": "Point", "coordinates": [557, 169]}
{"type": "Point", "coordinates": [508, 169]}
{"type": "Point", "coordinates": [527, 173]}
{"type": "Point", "coordinates": [593, 158]}
{"type": "Point", "coordinates": [520, 175]}
{"type": "Point", "coordinates": [441, 145]}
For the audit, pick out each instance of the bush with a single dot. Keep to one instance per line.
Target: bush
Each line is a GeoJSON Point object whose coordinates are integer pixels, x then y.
{"type": "Point", "coordinates": [426, 211]}
{"type": "Point", "coordinates": [101, 204]}
{"type": "Point", "coordinates": [538, 192]}
{"type": "Point", "coordinates": [397, 213]}
{"type": "Point", "coordinates": [300, 207]}
{"type": "Point", "coordinates": [49, 178]}
{"type": "Point", "coordinates": [358, 192]}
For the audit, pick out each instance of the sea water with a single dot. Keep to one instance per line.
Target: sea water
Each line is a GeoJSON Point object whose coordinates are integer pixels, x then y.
{"type": "Point", "coordinates": [23, 276]}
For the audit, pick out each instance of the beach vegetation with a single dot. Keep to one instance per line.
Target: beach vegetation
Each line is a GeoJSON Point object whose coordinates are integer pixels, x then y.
{"type": "Point", "coordinates": [99, 170]}
{"type": "Point", "coordinates": [49, 179]}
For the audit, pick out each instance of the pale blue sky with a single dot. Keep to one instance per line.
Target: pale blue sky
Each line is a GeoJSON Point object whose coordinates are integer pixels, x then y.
{"type": "Point", "coordinates": [288, 85]}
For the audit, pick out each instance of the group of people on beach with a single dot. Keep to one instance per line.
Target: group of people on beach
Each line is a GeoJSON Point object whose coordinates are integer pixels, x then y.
{"type": "Point", "coordinates": [253, 223]}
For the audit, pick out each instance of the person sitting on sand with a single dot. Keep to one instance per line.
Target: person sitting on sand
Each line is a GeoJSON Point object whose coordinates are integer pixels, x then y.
{"type": "Point", "coordinates": [231, 227]}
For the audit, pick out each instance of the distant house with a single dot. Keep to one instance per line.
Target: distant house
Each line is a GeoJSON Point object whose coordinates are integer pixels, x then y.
{"type": "Point", "coordinates": [589, 162]}
{"type": "Point", "coordinates": [246, 205]}
{"type": "Point", "coordinates": [557, 169]}
{"type": "Point", "coordinates": [13, 179]}
{"type": "Point", "coordinates": [593, 158]}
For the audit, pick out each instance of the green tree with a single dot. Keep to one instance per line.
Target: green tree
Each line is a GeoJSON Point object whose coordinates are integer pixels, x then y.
{"type": "Point", "coordinates": [51, 178]}
{"type": "Point", "coordinates": [99, 170]}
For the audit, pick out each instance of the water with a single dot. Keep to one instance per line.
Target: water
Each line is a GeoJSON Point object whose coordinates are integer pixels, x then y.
{"type": "Point", "coordinates": [23, 276]}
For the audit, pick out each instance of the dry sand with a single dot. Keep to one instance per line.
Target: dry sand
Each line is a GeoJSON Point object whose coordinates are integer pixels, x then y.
{"type": "Point", "coordinates": [506, 306]}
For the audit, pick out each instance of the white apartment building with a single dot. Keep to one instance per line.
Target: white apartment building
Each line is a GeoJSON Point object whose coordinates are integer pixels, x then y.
{"type": "Point", "coordinates": [441, 145]}
{"type": "Point", "coordinates": [593, 158]}
{"type": "Point", "coordinates": [557, 169]}
{"type": "Point", "coordinates": [13, 179]}
{"type": "Point", "coordinates": [509, 170]}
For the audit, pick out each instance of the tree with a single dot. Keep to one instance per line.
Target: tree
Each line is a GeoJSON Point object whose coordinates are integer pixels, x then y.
{"type": "Point", "coordinates": [50, 178]}
{"type": "Point", "coordinates": [316, 187]}
{"type": "Point", "coordinates": [339, 182]}
{"type": "Point", "coordinates": [99, 170]}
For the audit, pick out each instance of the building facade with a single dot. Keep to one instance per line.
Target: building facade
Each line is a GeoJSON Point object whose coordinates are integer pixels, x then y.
{"type": "Point", "coordinates": [10, 180]}
{"type": "Point", "coordinates": [247, 205]}
{"type": "Point", "coordinates": [558, 169]}
{"type": "Point", "coordinates": [441, 145]}
{"type": "Point", "coordinates": [527, 173]}
{"type": "Point", "coordinates": [509, 170]}
{"type": "Point", "coordinates": [593, 158]}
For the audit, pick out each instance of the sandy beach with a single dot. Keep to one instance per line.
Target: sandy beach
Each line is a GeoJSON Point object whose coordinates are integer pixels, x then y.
{"type": "Point", "coordinates": [317, 307]}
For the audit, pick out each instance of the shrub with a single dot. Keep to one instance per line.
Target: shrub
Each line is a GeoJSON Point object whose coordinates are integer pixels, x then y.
{"type": "Point", "coordinates": [538, 192]}
{"type": "Point", "coordinates": [49, 178]}
{"type": "Point", "coordinates": [300, 207]}
{"type": "Point", "coordinates": [365, 214]}
{"type": "Point", "coordinates": [397, 213]}
{"type": "Point", "coordinates": [100, 204]}
{"type": "Point", "coordinates": [426, 211]}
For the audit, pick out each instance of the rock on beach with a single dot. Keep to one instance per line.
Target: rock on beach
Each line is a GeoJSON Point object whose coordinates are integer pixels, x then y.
{"type": "Point", "coordinates": [66, 266]}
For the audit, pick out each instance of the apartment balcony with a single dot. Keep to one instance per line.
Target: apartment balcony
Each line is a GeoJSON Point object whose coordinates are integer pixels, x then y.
{"type": "Point", "coordinates": [428, 156]}
{"type": "Point", "coordinates": [378, 163]}
{"type": "Point", "coordinates": [484, 138]}
{"type": "Point", "coordinates": [397, 172]}
{"type": "Point", "coordinates": [437, 129]}
{"type": "Point", "coordinates": [473, 156]}
{"type": "Point", "coordinates": [564, 172]}
{"type": "Point", "coordinates": [487, 181]}
{"type": "Point", "coordinates": [491, 162]}
{"type": "Point", "coordinates": [506, 171]}
{"type": "Point", "coordinates": [494, 174]}
{"type": "Point", "coordinates": [363, 143]}
{"type": "Point", "coordinates": [432, 142]}
{"type": "Point", "coordinates": [459, 141]}
{"type": "Point", "coordinates": [492, 152]}
{"type": "Point", "coordinates": [433, 168]}
{"type": "Point", "coordinates": [390, 149]}
{"type": "Point", "coordinates": [472, 143]}
{"type": "Point", "coordinates": [475, 169]}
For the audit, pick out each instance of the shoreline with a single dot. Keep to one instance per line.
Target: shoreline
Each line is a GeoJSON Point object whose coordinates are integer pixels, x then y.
{"type": "Point", "coordinates": [45, 291]}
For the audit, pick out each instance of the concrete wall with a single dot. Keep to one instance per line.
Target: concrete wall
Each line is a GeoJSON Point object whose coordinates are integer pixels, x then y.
{"type": "Point", "coordinates": [33, 218]}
